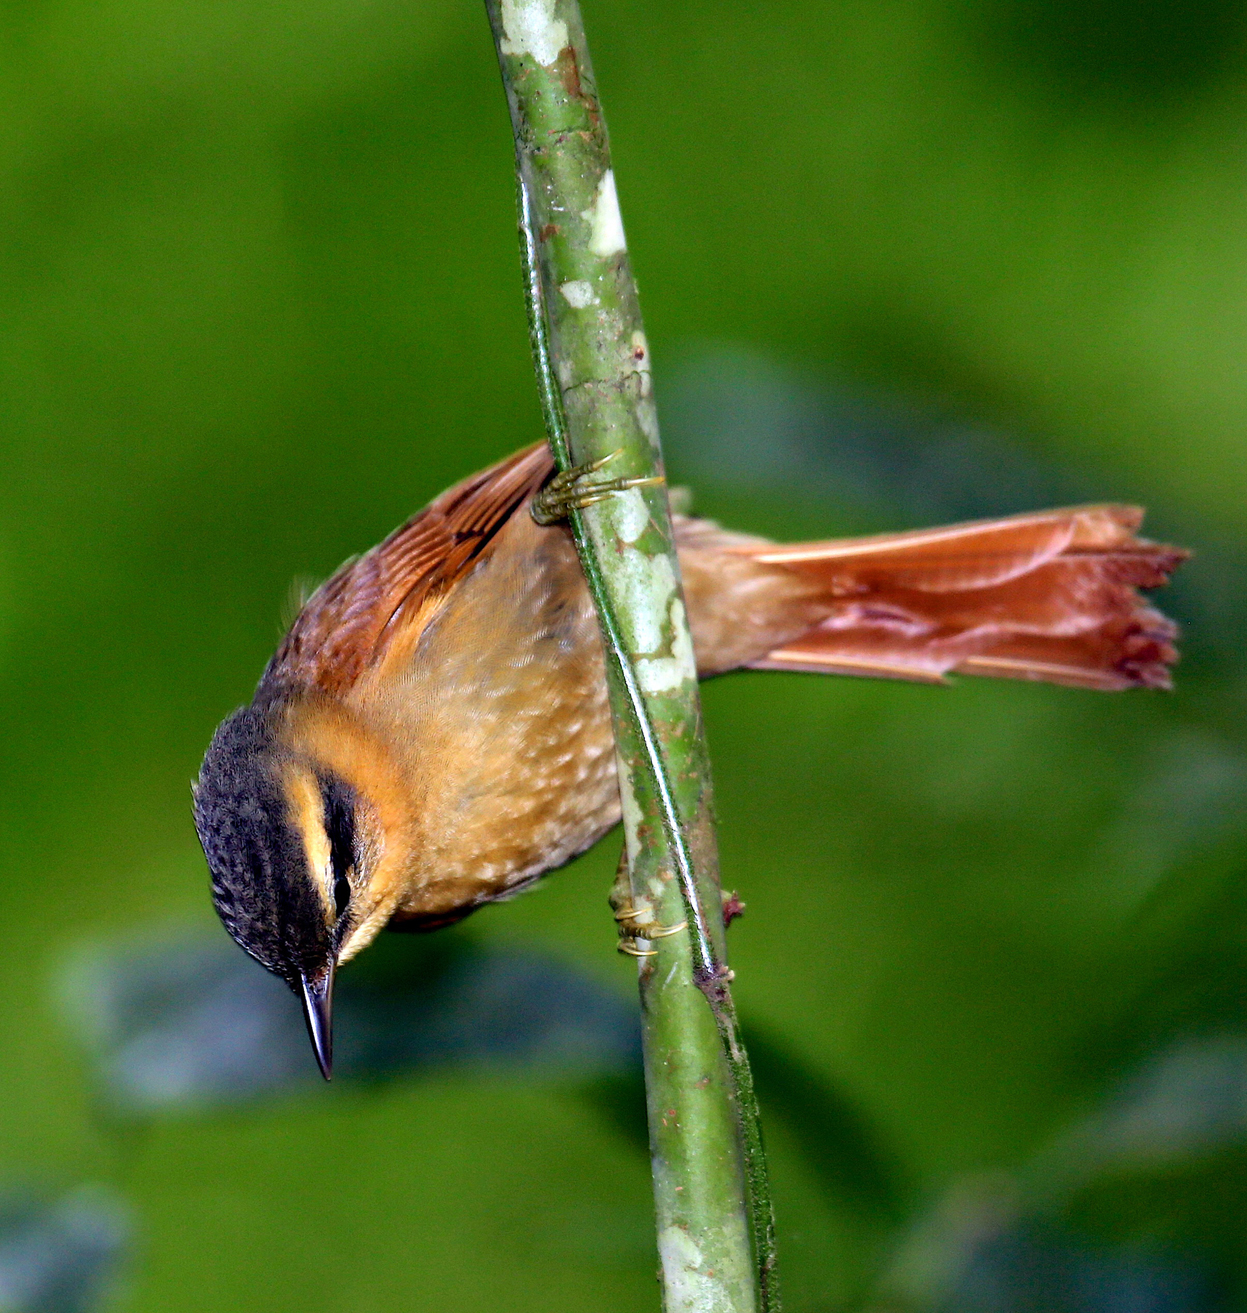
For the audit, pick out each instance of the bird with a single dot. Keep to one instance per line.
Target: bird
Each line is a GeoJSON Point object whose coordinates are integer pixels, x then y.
{"type": "Point", "coordinates": [433, 734]}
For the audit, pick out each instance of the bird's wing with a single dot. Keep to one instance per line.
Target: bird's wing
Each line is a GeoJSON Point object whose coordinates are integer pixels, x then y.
{"type": "Point", "coordinates": [349, 621]}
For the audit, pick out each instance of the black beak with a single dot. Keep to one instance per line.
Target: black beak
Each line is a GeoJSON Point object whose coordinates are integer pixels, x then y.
{"type": "Point", "coordinates": [318, 1013]}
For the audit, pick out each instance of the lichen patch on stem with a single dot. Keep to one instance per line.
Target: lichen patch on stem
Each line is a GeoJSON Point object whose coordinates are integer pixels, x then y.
{"type": "Point", "coordinates": [632, 516]}
{"type": "Point", "coordinates": [578, 293]}
{"type": "Point", "coordinates": [665, 674]}
{"type": "Point", "coordinates": [654, 619]}
{"type": "Point", "coordinates": [607, 236]}
{"type": "Point", "coordinates": [649, 585]}
{"type": "Point", "coordinates": [531, 29]}
{"type": "Point", "coordinates": [687, 1286]}
{"type": "Point", "coordinates": [632, 814]}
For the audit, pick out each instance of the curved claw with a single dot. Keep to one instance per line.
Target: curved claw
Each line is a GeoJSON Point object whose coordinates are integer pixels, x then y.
{"type": "Point", "coordinates": [632, 928]}
{"type": "Point", "coordinates": [574, 489]}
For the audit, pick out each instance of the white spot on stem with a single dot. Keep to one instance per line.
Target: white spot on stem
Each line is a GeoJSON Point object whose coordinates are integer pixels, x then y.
{"type": "Point", "coordinates": [652, 582]}
{"type": "Point", "coordinates": [666, 674]}
{"type": "Point", "coordinates": [631, 810]}
{"type": "Point", "coordinates": [530, 28]}
{"type": "Point", "coordinates": [648, 594]}
{"type": "Point", "coordinates": [687, 1286]}
{"type": "Point", "coordinates": [607, 235]}
{"type": "Point", "coordinates": [632, 515]}
{"type": "Point", "coordinates": [579, 293]}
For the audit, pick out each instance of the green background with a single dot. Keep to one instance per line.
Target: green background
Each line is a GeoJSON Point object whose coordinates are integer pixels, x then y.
{"type": "Point", "coordinates": [259, 300]}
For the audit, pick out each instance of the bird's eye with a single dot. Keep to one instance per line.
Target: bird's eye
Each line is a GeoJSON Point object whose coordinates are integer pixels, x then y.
{"type": "Point", "coordinates": [341, 896]}
{"type": "Point", "coordinates": [339, 804]}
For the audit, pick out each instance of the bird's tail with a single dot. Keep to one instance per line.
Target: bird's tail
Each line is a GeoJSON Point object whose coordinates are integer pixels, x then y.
{"type": "Point", "coordinates": [1047, 596]}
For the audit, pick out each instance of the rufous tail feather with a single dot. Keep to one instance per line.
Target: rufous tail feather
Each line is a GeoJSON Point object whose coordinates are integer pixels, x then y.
{"type": "Point", "coordinates": [1048, 596]}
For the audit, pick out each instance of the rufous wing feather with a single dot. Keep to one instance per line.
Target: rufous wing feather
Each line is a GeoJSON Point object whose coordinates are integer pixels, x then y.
{"type": "Point", "coordinates": [1051, 596]}
{"type": "Point", "coordinates": [347, 624]}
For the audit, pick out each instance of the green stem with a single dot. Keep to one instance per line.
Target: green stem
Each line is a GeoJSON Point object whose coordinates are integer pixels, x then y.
{"type": "Point", "coordinates": [715, 1228]}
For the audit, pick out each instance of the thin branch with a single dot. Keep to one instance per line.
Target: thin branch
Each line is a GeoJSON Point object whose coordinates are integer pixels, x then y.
{"type": "Point", "coordinates": [715, 1229]}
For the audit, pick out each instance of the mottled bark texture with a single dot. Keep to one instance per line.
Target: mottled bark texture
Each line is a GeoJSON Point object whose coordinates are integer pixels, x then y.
{"type": "Point", "coordinates": [715, 1233]}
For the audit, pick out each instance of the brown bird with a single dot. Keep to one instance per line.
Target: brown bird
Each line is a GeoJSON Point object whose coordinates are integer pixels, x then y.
{"type": "Point", "coordinates": [433, 733]}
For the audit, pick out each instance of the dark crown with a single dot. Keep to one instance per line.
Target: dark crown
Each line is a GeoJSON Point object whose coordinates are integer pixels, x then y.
{"type": "Point", "coordinates": [261, 883]}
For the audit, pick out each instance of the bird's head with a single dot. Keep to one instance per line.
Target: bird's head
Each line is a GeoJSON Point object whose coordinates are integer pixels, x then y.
{"type": "Point", "coordinates": [294, 842]}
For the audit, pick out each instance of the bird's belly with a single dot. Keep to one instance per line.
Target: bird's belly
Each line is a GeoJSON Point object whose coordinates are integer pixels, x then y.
{"type": "Point", "coordinates": [527, 804]}
{"type": "Point", "coordinates": [517, 771]}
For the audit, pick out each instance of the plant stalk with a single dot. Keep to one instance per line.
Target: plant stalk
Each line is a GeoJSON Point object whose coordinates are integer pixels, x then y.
{"type": "Point", "coordinates": [715, 1227]}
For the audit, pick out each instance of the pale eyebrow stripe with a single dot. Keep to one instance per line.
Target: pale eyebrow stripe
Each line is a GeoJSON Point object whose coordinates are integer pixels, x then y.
{"type": "Point", "coordinates": [304, 795]}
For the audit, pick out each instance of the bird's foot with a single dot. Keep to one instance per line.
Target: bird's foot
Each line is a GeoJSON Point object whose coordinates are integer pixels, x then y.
{"type": "Point", "coordinates": [635, 923]}
{"type": "Point", "coordinates": [576, 488]}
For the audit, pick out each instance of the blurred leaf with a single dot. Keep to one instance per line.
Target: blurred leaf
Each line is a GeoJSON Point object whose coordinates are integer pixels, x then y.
{"type": "Point", "coordinates": [60, 1257]}
{"type": "Point", "coordinates": [188, 1020]}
